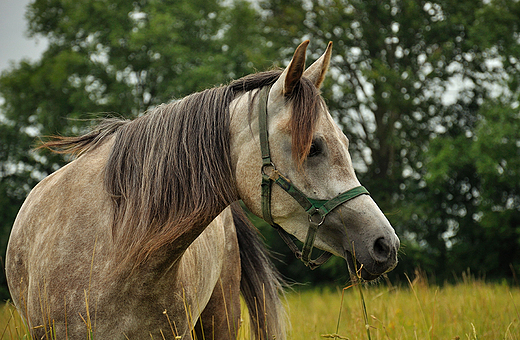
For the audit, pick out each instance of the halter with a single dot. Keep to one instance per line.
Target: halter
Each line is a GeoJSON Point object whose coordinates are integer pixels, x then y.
{"type": "Point", "coordinates": [316, 209]}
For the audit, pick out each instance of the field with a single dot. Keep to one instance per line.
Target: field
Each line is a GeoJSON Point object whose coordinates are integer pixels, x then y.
{"type": "Point", "coordinates": [468, 310]}
{"type": "Point", "coordinates": [463, 311]}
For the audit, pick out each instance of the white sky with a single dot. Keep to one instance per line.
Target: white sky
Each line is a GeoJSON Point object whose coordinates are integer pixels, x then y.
{"type": "Point", "coordinates": [14, 43]}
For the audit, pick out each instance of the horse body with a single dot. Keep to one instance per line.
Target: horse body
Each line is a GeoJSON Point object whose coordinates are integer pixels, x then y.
{"type": "Point", "coordinates": [66, 271]}
{"type": "Point", "coordinates": [133, 238]}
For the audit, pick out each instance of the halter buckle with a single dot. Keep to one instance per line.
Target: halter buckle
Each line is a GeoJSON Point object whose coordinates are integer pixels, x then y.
{"type": "Point", "coordinates": [315, 213]}
{"type": "Point", "coordinates": [268, 165]}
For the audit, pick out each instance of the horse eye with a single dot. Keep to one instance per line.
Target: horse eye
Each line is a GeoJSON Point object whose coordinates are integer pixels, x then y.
{"type": "Point", "coordinates": [314, 151]}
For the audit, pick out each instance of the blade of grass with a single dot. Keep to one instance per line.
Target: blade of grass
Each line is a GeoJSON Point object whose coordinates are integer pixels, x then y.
{"type": "Point", "coordinates": [341, 306]}
{"type": "Point", "coordinates": [6, 326]}
{"type": "Point", "coordinates": [420, 306]}
{"type": "Point", "coordinates": [365, 315]}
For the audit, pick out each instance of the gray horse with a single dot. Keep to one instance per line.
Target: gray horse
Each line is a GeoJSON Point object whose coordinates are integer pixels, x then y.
{"type": "Point", "coordinates": [132, 239]}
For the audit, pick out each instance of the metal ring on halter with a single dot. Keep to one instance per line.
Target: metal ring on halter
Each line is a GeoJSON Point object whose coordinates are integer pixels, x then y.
{"type": "Point", "coordinates": [271, 164]}
{"type": "Point", "coordinates": [314, 214]}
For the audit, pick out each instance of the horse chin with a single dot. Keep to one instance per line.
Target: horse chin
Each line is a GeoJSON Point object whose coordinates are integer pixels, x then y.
{"type": "Point", "coordinates": [357, 270]}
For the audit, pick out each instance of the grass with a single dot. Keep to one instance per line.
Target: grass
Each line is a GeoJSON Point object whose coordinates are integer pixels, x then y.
{"type": "Point", "coordinates": [465, 311]}
{"type": "Point", "coordinates": [469, 310]}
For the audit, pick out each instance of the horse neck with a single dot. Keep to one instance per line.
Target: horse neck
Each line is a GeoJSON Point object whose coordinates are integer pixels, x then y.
{"type": "Point", "coordinates": [245, 149]}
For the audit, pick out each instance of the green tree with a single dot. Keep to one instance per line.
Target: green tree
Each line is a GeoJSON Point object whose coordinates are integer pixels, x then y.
{"type": "Point", "coordinates": [477, 180]}
{"type": "Point", "coordinates": [394, 67]}
{"type": "Point", "coordinates": [111, 58]}
{"type": "Point", "coordinates": [496, 152]}
{"type": "Point", "coordinates": [442, 165]}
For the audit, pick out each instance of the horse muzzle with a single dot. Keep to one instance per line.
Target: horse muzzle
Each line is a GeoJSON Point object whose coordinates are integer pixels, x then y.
{"type": "Point", "coordinates": [377, 259]}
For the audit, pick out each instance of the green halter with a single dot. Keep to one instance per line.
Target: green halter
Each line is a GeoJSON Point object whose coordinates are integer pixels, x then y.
{"type": "Point", "coordinates": [316, 209]}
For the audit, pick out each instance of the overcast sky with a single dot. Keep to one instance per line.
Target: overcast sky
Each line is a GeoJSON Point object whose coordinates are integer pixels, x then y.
{"type": "Point", "coordinates": [14, 43]}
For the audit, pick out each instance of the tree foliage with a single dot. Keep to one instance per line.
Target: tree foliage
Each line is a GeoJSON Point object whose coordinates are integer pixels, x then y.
{"type": "Point", "coordinates": [427, 91]}
{"type": "Point", "coordinates": [412, 82]}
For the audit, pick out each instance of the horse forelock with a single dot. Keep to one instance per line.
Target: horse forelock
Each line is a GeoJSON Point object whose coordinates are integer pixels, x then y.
{"type": "Point", "coordinates": [306, 105]}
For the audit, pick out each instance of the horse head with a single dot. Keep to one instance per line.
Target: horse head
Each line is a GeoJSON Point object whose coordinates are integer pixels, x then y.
{"type": "Point", "coordinates": [307, 156]}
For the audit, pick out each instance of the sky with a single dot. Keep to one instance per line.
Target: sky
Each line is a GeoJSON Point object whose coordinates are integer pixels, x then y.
{"type": "Point", "coordinates": [14, 42]}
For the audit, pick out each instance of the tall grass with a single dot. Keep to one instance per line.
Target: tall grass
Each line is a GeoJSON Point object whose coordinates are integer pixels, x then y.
{"type": "Point", "coordinates": [469, 310]}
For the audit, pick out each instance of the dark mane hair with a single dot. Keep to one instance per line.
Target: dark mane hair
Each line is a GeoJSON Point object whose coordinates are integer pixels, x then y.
{"type": "Point", "coordinates": [169, 170]}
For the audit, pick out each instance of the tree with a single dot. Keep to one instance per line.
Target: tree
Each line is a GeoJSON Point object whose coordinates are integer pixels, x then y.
{"type": "Point", "coordinates": [111, 58]}
{"type": "Point", "coordinates": [476, 176]}
{"type": "Point", "coordinates": [395, 65]}
{"type": "Point", "coordinates": [420, 144]}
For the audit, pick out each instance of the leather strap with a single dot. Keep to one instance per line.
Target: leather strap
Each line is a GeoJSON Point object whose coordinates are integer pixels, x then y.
{"type": "Point", "coordinates": [287, 238]}
{"type": "Point", "coordinates": [266, 155]}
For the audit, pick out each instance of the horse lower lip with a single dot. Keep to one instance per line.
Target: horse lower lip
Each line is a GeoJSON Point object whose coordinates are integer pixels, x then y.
{"type": "Point", "coordinates": [358, 269]}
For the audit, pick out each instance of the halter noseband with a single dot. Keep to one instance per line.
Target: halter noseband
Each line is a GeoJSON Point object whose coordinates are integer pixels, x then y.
{"type": "Point", "coordinates": [316, 209]}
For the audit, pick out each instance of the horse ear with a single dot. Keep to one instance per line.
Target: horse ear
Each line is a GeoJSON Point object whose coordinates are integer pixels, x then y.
{"type": "Point", "coordinates": [295, 68]}
{"type": "Point", "coordinates": [292, 74]}
{"type": "Point", "coordinates": [316, 72]}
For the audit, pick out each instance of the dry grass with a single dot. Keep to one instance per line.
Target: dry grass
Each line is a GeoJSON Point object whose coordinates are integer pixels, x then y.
{"type": "Point", "coordinates": [472, 310]}
{"type": "Point", "coordinates": [469, 310]}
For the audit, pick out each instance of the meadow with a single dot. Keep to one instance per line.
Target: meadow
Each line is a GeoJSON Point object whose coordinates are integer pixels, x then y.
{"type": "Point", "coordinates": [471, 309]}
{"type": "Point", "coordinates": [462, 311]}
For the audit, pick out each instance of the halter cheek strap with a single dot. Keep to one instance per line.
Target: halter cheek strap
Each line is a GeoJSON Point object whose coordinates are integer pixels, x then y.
{"type": "Point", "coordinates": [316, 209]}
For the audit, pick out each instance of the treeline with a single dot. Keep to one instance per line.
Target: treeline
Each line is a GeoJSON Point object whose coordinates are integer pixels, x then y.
{"type": "Point", "coordinates": [426, 91]}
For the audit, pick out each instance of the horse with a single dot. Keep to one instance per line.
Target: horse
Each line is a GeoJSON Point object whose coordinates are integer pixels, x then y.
{"type": "Point", "coordinates": [140, 236]}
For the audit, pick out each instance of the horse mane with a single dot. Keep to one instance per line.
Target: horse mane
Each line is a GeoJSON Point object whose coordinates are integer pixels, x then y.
{"type": "Point", "coordinates": [170, 170]}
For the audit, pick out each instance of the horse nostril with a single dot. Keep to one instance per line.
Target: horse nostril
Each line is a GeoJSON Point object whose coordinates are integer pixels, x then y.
{"type": "Point", "coordinates": [381, 250]}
